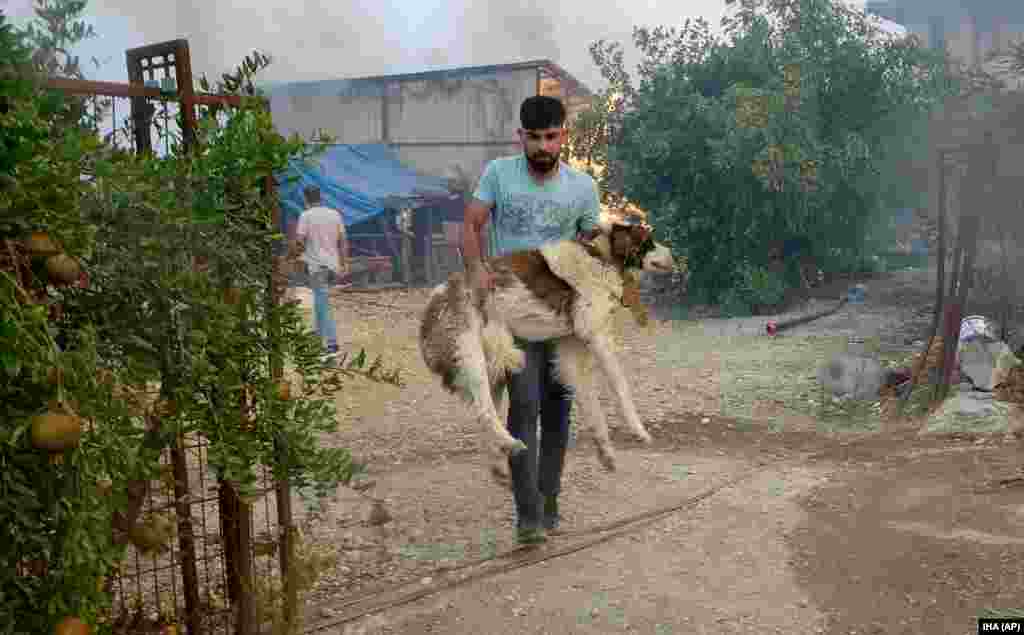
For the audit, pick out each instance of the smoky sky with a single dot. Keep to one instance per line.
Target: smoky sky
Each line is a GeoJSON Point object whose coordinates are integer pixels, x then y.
{"type": "Point", "coordinates": [312, 40]}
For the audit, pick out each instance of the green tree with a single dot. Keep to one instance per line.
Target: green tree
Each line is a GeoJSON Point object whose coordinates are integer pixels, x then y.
{"type": "Point", "coordinates": [49, 557]}
{"type": "Point", "coordinates": [835, 101]}
{"type": "Point", "coordinates": [179, 251]}
{"type": "Point", "coordinates": [57, 28]}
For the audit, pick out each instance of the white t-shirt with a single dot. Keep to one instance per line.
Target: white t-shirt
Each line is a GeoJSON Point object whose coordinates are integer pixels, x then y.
{"type": "Point", "coordinates": [320, 228]}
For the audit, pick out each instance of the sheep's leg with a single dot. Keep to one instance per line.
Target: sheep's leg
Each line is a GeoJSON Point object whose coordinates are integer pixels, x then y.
{"type": "Point", "coordinates": [499, 462]}
{"type": "Point", "coordinates": [472, 383]}
{"type": "Point", "coordinates": [620, 386]}
{"type": "Point", "coordinates": [576, 369]}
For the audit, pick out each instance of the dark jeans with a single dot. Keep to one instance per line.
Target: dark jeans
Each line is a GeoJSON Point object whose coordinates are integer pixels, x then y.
{"type": "Point", "coordinates": [537, 472]}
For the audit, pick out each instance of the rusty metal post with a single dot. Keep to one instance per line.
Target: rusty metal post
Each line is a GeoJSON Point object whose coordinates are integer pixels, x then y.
{"type": "Point", "coordinates": [237, 537]}
{"type": "Point", "coordinates": [953, 313]}
{"type": "Point", "coordinates": [186, 92]}
{"type": "Point", "coordinates": [950, 339]}
{"type": "Point", "coordinates": [940, 283]}
{"type": "Point", "coordinates": [226, 507]}
{"type": "Point", "coordinates": [186, 539]}
{"type": "Point", "coordinates": [980, 172]}
{"type": "Point", "coordinates": [246, 624]}
{"type": "Point", "coordinates": [283, 490]}
{"type": "Point", "coordinates": [244, 604]}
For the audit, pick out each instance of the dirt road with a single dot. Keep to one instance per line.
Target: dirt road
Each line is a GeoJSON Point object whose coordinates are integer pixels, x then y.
{"type": "Point", "coordinates": [811, 531]}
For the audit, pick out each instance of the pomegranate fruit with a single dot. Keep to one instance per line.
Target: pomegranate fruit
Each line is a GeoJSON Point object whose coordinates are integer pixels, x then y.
{"type": "Point", "coordinates": [63, 269]}
{"type": "Point", "coordinates": [71, 626]}
{"type": "Point", "coordinates": [40, 244]}
{"type": "Point", "coordinates": [284, 390]}
{"type": "Point", "coordinates": [56, 431]}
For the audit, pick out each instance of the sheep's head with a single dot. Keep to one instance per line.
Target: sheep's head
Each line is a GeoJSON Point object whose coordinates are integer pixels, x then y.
{"type": "Point", "coordinates": [625, 240]}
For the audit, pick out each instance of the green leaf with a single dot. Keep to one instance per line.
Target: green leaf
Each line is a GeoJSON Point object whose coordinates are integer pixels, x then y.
{"type": "Point", "coordinates": [8, 329]}
{"type": "Point", "coordinates": [359, 360]}
{"type": "Point", "coordinates": [10, 363]}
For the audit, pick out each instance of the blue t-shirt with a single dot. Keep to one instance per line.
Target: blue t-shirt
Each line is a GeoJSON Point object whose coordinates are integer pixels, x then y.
{"type": "Point", "coordinates": [525, 214]}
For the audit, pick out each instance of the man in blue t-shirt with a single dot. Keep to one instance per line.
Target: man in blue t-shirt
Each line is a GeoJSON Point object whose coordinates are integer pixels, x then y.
{"type": "Point", "coordinates": [529, 200]}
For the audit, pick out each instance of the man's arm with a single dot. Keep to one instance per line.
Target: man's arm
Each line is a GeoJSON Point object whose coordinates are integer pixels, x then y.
{"type": "Point", "coordinates": [475, 217]}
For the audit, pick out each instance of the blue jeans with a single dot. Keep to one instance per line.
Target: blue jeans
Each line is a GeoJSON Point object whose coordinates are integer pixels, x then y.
{"type": "Point", "coordinates": [537, 472]}
{"type": "Point", "coordinates": [319, 281]}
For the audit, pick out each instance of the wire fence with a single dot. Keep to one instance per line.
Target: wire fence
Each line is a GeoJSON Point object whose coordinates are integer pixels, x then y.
{"type": "Point", "coordinates": [112, 120]}
{"type": "Point", "coordinates": [150, 592]}
{"type": "Point", "coordinates": [209, 562]}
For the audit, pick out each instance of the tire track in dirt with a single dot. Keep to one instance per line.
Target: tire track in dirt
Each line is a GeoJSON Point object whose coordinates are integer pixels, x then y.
{"type": "Point", "coordinates": [748, 442]}
{"type": "Point", "coordinates": [804, 450]}
{"type": "Point", "coordinates": [522, 557]}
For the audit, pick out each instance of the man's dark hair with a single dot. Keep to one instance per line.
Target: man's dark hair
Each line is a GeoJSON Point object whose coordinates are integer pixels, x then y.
{"type": "Point", "coordinates": [312, 194]}
{"type": "Point", "coordinates": [540, 111]}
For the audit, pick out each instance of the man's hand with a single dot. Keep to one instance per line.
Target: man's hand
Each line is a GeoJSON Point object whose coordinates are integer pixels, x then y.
{"type": "Point", "coordinates": [290, 263]}
{"type": "Point", "coordinates": [481, 279]}
{"type": "Point", "coordinates": [295, 250]}
{"type": "Point", "coordinates": [481, 283]}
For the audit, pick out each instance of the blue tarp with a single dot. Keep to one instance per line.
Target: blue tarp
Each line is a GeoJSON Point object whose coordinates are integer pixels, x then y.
{"type": "Point", "coordinates": [361, 181]}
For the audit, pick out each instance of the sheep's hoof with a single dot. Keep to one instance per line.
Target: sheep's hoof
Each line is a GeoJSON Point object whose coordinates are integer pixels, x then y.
{"type": "Point", "coordinates": [607, 458]}
{"type": "Point", "coordinates": [500, 473]}
{"type": "Point", "coordinates": [643, 435]}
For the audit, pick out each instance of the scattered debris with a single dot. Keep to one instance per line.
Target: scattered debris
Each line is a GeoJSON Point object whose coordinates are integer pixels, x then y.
{"type": "Point", "coordinates": [852, 376]}
{"type": "Point", "coordinates": [379, 515]}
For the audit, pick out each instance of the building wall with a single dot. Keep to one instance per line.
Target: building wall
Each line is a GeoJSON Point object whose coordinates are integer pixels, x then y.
{"type": "Point", "coordinates": [442, 127]}
{"type": "Point", "coordinates": [465, 163]}
{"type": "Point", "coordinates": [461, 110]}
{"type": "Point", "coordinates": [349, 119]}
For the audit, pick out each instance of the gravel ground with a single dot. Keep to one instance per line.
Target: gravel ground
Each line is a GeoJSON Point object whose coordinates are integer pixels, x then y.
{"type": "Point", "coordinates": [718, 396]}
{"type": "Point", "coordinates": [678, 370]}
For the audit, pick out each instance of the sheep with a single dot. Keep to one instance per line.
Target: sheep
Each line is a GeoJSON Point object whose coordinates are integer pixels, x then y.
{"type": "Point", "coordinates": [567, 291]}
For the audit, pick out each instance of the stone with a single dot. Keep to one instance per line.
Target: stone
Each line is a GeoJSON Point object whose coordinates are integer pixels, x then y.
{"type": "Point", "coordinates": [852, 376]}
{"type": "Point", "coordinates": [979, 360]}
{"type": "Point", "coordinates": [975, 405]}
{"type": "Point", "coordinates": [970, 411]}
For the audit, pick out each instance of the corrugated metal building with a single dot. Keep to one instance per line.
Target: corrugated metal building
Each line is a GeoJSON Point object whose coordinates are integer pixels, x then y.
{"type": "Point", "coordinates": [443, 123]}
{"type": "Point", "coordinates": [446, 123]}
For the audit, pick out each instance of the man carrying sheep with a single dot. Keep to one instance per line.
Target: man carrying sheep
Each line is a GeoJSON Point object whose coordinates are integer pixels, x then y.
{"type": "Point", "coordinates": [529, 200]}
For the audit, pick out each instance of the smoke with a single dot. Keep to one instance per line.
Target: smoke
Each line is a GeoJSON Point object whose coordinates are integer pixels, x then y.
{"type": "Point", "coordinates": [312, 40]}
{"type": "Point", "coordinates": [527, 31]}
{"type": "Point", "coordinates": [16, 8]}
{"type": "Point", "coordinates": [308, 40]}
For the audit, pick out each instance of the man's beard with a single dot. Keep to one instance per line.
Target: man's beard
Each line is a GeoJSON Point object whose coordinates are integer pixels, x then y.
{"type": "Point", "coordinates": [542, 162]}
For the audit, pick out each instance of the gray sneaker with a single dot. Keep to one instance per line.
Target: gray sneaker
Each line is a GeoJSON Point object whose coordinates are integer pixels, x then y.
{"type": "Point", "coordinates": [552, 519]}
{"type": "Point", "coordinates": [530, 535]}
